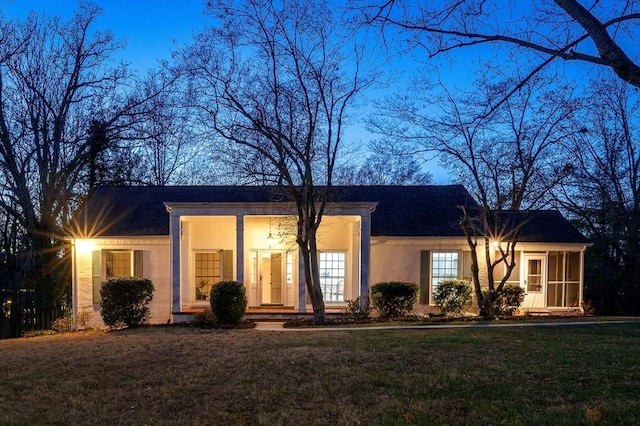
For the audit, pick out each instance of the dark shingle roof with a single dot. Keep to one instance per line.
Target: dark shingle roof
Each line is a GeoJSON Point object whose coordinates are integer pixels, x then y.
{"type": "Point", "coordinates": [405, 211]}
{"type": "Point", "coordinates": [549, 226]}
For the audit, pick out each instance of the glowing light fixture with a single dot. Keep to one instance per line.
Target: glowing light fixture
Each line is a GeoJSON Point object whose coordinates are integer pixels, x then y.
{"type": "Point", "coordinates": [84, 246]}
{"type": "Point", "coordinates": [270, 240]}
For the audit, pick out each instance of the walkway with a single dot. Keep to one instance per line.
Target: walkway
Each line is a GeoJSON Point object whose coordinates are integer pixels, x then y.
{"type": "Point", "coordinates": [278, 326]}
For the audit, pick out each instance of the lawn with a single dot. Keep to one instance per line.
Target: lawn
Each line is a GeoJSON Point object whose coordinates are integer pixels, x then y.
{"type": "Point", "coordinates": [177, 375]}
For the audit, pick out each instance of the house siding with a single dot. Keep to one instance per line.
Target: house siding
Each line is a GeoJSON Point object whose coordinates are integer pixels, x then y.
{"type": "Point", "coordinates": [155, 261]}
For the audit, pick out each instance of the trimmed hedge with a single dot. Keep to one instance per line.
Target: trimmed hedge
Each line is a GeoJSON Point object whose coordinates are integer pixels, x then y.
{"type": "Point", "coordinates": [452, 295]}
{"type": "Point", "coordinates": [228, 302]}
{"type": "Point", "coordinates": [394, 298]}
{"type": "Point", "coordinates": [509, 300]}
{"type": "Point", "coordinates": [125, 300]}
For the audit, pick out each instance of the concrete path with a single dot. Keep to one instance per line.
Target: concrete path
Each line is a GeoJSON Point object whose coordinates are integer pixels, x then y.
{"type": "Point", "coordinates": [278, 326]}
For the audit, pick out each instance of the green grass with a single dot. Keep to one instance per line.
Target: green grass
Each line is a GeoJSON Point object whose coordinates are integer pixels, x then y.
{"type": "Point", "coordinates": [174, 375]}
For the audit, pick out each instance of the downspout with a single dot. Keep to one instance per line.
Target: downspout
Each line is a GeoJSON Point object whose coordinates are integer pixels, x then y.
{"type": "Point", "coordinates": [581, 293]}
{"type": "Point", "coordinates": [74, 282]}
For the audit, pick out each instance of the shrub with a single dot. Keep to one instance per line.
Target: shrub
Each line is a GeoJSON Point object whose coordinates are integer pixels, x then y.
{"type": "Point", "coordinates": [125, 300]}
{"type": "Point", "coordinates": [509, 300]}
{"type": "Point", "coordinates": [228, 302]}
{"type": "Point", "coordinates": [354, 310]}
{"type": "Point", "coordinates": [393, 299]}
{"type": "Point", "coordinates": [451, 295]}
{"type": "Point", "coordinates": [204, 318]}
{"type": "Point", "coordinates": [84, 319]}
{"type": "Point", "coordinates": [62, 325]}
{"type": "Point", "coordinates": [587, 309]}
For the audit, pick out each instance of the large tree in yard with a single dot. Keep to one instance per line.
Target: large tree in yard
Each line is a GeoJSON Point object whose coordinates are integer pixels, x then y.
{"type": "Point", "coordinates": [59, 98]}
{"type": "Point", "coordinates": [277, 80]}
{"type": "Point", "coordinates": [600, 33]}
{"type": "Point", "coordinates": [603, 194]}
{"type": "Point", "coordinates": [506, 157]}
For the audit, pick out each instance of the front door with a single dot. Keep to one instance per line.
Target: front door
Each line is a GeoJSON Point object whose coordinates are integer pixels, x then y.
{"type": "Point", "coordinates": [535, 278]}
{"type": "Point", "coordinates": [271, 278]}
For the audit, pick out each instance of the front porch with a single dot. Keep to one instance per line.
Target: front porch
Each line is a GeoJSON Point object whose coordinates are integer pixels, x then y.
{"type": "Point", "coordinates": [255, 244]}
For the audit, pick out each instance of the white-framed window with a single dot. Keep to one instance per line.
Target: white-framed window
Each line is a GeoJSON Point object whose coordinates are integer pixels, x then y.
{"type": "Point", "coordinates": [118, 263]}
{"type": "Point", "coordinates": [113, 263]}
{"type": "Point", "coordinates": [207, 272]}
{"type": "Point", "coordinates": [444, 266]}
{"type": "Point", "coordinates": [332, 275]}
{"type": "Point", "coordinates": [289, 271]}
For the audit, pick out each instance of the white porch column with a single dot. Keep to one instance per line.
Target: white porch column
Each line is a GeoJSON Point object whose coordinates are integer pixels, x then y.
{"type": "Point", "coordinates": [175, 232]}
{"type": "Point", "coordinates": [365, 256]}
{"type": "Point", "coordinates": [302, 286]}
{"type": "Point", "coordinates": [240, 248]}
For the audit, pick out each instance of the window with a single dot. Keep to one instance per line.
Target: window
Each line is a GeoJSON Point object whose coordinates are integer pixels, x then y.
{"type": "Point", "coordinates": [332, 275]}
{"type": "Point", "coordinates": [534, 275]}
{"type": "Point", "coordinates": [289, 268]}
{"type": "Point", "coordinates": [117, 264]}
{"type": "Point", "coordinates": [564, 279]}
{"type": "Point", "coordinates": [107, 264]}
{"type": "Point", "coordinates": [208, 271]}
{"type": "Point", "coordinates": [444, 266]}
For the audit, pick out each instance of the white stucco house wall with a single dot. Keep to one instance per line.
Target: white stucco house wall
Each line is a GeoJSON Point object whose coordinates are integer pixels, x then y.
{"type": "Point", "coordinates": [184, 239]}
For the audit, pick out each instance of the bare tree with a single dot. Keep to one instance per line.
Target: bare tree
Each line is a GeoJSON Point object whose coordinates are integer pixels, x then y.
{"type": "Point", "coordinates": [506, 158]}
{"type": "Point", "coordinates": [603, 193]}
{"type": "Point", "coordinates": [278, 79]}
{"type": "Point", "coordinates": [56, 86]}
{"type": "Point", "coordinates": [383, 169]}
{"type": "Point", "coordinates": [545, 31]}
{"type": "Point", "coordinates": [165, 139]}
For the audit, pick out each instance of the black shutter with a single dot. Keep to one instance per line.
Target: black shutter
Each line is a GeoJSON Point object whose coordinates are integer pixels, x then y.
{"type": "Point", "coordinates": [425, 267]}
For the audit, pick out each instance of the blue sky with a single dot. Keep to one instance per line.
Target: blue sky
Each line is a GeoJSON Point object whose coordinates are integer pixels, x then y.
{"type": "Point", "coordinates": [152, 28]}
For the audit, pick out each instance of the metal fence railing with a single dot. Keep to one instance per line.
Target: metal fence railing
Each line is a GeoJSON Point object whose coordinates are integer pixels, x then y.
{"type": "Point", "coordinates": [19, 314]}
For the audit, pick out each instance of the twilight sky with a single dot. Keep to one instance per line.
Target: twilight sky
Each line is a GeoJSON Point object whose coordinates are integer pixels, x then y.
{"type": "Point", "coordinates": [152, 28]}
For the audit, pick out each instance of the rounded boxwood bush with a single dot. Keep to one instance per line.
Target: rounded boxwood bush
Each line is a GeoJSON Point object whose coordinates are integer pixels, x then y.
{"type": "Point", "coordinates": [125, 300]}
{"type": "Point", "coordinates": [451, 295]}
{"type": "Point", "coordinates": [228, 302]}
{"type": "Point", "coordinates": [509, 300]}
{"type": "Point", "coordinates": [394, 298]}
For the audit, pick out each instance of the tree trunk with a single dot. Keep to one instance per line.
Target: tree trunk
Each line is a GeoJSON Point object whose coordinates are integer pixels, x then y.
{"type": "Point", "coordinates": [312, 278]}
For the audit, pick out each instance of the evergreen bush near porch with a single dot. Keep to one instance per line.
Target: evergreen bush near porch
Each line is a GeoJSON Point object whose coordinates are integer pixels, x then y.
{"type": "Point", "coordinates": [450, 296]}
{"type": "Point", "coordinates": [393, 299]}
{"type": "Point", "coordinates": [509, 299]}
{"type": "Point", "coordinates": [228, 302]}
{"type": "Point", "coordinates": [125, 301]}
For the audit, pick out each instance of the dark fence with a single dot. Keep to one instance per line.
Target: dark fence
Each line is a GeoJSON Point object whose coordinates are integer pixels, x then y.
{"type": "Point", "coordinates": [19, 314]}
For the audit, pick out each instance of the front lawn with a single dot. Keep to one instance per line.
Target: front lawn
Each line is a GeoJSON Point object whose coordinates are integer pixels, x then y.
{"type": "Point", "coordinates": [175, 375]}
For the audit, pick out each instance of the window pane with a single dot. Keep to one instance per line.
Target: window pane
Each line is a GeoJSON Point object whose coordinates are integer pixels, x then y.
{"type": "Point", "coordinates": [534, 276]}
{"type": "Point", "coordinates": [573, 292]}
{"type": "Point", "coordinates": [554, 294]}
{"type": "Point", "coordinates": [332, 275]}
{"type": "Point", "coordinates": [573, 266]}
{"type": "Point", "coordinates": [555, 266]}
{"type": "Point", "coordinates": [118, 264]}
{"type": "Point", "coordinates": [443, 266]}
{"type": "Point", "coordinates": [207, 273]}
{"type": "Point", "coordinates": [289, 267]}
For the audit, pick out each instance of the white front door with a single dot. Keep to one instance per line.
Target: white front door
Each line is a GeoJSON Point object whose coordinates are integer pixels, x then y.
{"type": "Point", "coordinates": [271, 273]}
{"type": "Point", "coordinates": [534, 281]}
